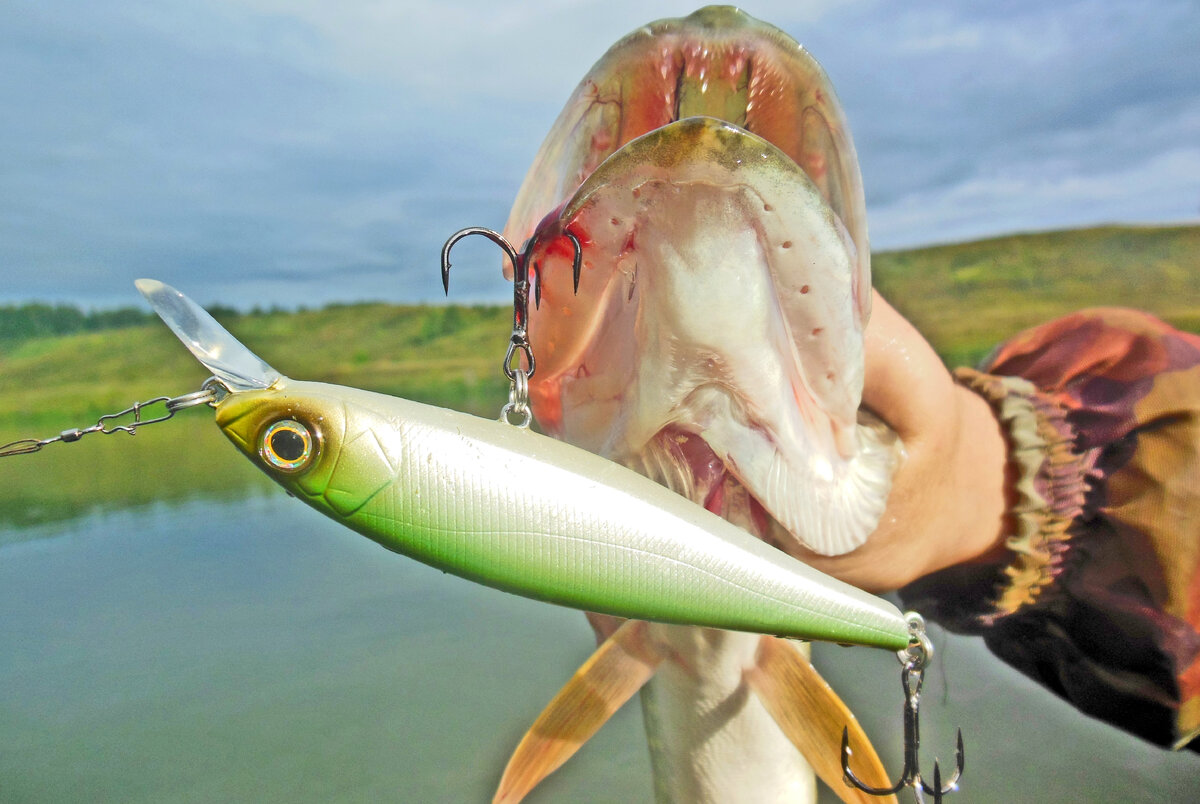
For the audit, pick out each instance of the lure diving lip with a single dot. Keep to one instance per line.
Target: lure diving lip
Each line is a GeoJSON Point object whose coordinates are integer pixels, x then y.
{"type": "Point", "coordinates": [221, 353]}
{"type": "Point", "coordinates": [512, 509]}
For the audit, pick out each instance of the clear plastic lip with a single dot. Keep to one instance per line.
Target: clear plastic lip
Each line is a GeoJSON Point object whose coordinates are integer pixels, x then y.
{"type": "Point", "coordinates": [221, 353]}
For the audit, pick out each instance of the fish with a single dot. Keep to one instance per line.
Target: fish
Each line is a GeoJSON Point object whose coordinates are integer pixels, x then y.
{"type": "Point", "coordinates": [512, 509]}
{"type": "Point", "coordinates": [715, 345]}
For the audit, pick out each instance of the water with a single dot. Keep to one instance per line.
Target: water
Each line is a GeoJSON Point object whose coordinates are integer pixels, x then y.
{"type": "Point", "coordinates": [254, 651]}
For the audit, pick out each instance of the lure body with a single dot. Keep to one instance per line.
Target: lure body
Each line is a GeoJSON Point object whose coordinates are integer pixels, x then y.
{"type": "Point", "coordinates": [537, 517]}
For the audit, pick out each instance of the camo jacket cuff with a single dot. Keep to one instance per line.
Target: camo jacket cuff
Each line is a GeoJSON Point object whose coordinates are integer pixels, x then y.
{"type": "Point", "coordinates": [1095, 596]}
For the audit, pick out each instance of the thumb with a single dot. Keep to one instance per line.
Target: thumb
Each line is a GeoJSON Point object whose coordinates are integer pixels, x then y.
{"type": "Point", "coordinates": [905, 384]}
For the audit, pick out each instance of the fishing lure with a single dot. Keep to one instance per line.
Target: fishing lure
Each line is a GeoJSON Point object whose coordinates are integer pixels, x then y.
{"type": "Point", "coordinates": [512, 509]}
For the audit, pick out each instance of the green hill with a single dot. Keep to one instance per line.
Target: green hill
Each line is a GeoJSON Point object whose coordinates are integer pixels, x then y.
{"type": "Point", "coordinates": [443, 355]}
{"type": "Point", "coordinates": [968, 297]}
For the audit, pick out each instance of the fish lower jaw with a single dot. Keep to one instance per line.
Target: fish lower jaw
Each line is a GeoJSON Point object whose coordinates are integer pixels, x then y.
{"type": "Point", "coordinates": [821, 511]}
{"type": "Point", "coordinates": [834, 515]}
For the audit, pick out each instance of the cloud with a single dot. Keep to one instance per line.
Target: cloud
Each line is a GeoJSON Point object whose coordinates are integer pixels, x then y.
{"type": "Point", "coordinates": [1043, 197]}
{"type": "Point", "coordinates": [999, 108]}
{"type": "Point", "coordinates": [296, 152]}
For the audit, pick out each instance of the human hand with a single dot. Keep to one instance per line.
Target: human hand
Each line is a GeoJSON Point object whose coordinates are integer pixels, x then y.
{"type": "Point", "coordinates": [948, 500]}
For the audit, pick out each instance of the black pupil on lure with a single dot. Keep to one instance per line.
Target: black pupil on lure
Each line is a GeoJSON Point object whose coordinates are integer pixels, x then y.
{"type": "Point", "coordinates": [287, 444]}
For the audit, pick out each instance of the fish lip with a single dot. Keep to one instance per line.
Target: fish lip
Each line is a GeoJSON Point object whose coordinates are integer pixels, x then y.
{"type": "Point", "coordinates": [691, 132]}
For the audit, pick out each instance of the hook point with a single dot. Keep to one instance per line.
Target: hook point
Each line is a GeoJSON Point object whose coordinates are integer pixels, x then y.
{"type": "Point", "coordinates": [577, 260]}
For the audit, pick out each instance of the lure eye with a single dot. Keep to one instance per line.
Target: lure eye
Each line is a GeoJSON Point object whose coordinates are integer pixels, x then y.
{"type": "Point", "coordinates": [287, 445]}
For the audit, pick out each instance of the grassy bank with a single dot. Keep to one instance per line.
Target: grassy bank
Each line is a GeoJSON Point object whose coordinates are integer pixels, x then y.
{"type": "Point", "coordinates": [445, 356]}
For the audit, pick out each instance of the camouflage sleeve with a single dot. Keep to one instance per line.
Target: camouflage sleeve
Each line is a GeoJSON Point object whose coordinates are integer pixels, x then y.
{"type": "Point", "coordinates": [1097, 595]}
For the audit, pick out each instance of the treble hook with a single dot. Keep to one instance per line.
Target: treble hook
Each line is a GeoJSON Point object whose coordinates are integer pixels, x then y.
{"type": "Point", "coordinates": [913, 660]}
{"type": "Point", "coordinates": [576, 265]}
{"type": "Point", "coordinates": [520, 264]}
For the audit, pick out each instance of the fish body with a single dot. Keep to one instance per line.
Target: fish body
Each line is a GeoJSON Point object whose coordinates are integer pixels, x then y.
{"type": "Point", "coordinates": [726, 277]}
{"type": "Point", "coordinates": [730, 318]}
{"type": "Point", "coordinates": [715, 344]}
{"type": "Point", "coordinates": [708, 724]}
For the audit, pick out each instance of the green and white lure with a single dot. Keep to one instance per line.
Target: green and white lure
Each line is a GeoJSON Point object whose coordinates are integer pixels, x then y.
{"type": "Point", "coordinates": [512, 509]}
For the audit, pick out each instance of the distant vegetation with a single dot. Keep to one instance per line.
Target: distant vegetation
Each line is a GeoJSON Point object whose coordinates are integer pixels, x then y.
{"type": "Point", "coordinates": [22, 322]}
{"type": "Point", "coordinates": [447, 356]}
{"type": "Point", "coordinates": [34, 320]}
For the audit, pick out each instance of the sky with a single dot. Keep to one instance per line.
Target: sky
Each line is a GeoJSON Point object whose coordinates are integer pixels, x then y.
{"type": "Point", "coordinates": [297, 152]}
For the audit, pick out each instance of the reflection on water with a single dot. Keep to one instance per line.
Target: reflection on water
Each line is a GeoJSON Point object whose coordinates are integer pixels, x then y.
{"type": "Point", "coordinates": [254, 651]}
{"type": "Point", "coordinates": [186, 459]}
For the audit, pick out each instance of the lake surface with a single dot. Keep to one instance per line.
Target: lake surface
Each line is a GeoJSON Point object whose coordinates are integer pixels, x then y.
{"type": "Point", "coordinates": [250, 650]}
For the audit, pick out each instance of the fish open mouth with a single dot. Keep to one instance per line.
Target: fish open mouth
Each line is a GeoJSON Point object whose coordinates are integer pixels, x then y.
{"type": "Point", "coordinates": [715, 342]}
{"type": "Point", "coordinates": [718, 62]}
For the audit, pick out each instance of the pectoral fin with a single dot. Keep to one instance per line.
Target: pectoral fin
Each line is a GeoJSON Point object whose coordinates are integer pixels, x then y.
{"type": "Point", "coordinates": [610, 677]}
{"type": "Point", "coordinates": [812, 716]}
